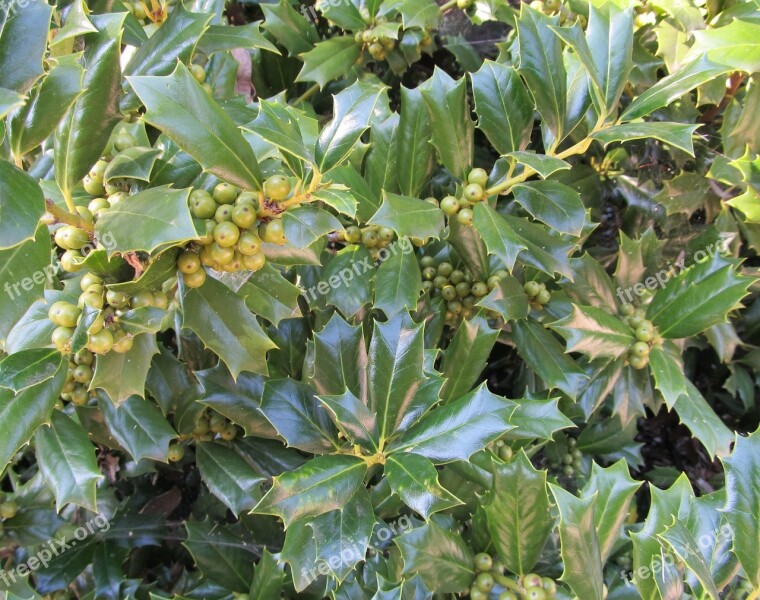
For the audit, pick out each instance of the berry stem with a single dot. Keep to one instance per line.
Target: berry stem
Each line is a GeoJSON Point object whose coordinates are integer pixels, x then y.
{"type": "Point", "coordinates": [70, 218]}
{"type": "Point", "coordinates": [307, 94]}
{"type": "Point", "coordinates": [447, 5]}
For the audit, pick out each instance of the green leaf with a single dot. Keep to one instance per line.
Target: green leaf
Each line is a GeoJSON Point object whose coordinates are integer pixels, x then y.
{"type": "Point", "coordinates": [415, 151]}
{"type": "Point", "coordinates": [508, 299]}
{"type": "Point", "coordinates": [459, 429]}
{"type": "Point", "coordinates": [158, 270]}
{"type": "Point", "coordinates": [298, 417]}
{"type": "Point", "coordinates": [223, 323]}
{"type": "Point", "coordinates": [268, 294]}
{"type": "Point", "coordinates": [23, 413]}
{"type": "Point", "coordinates": [289, 27]}
{"type": "Point", "coordinates": [674, 134]}
{"type": "Point", "coordinates": [228, 476]}
{"type": "Point", "coordinates": [424, 14]}
{"type": "Point", "coordinates": [610, 41]}
{"type": "Point", "coordinates": [66, 458]}
{"type": "Point", "coordinates": [23, 42]}
{"type": "Point", "coordinates": [395, 371]}
{"type": "Point", "coordinates": [553, 203]}
{"type": "Point", "coordinates": [517, 513]}
{"type": "Point", "coordinates": [138, 425]}
{"type": "Point", "coordinates": [414, 479]}
{"type": "Point", "coordinates": [174, 41]}
{"type": "Point", "coordinates": [346, 281]}
{"type": "Point", "coordinates": [27, 368]}
{"type": "Point", "coordinates": [83, 134]}
{"type": "Point", "coordinates": [304, 225]}
{"type": "Point", "coordinates": [541, 163]}
{"type": "Point", "coordinates": [699, 71]}
{"type": "Point", "coordinates": [9, 101]}
{"type": "Point", "coordinates": [123, 375]}
{"type": "Point", "coordinates": [409, 217]}
{"type": "Point", "coordinates": [181, 109]}
{"type": "Point", "coordinates": [342, 536]}
{"type": "Point", "coordinates": [498, 235]}
{"type": "Point", "coordinates": [152, 219]}
{"type": "Point", "coordinates": [380, 163]}
{"type": "Point", "coordinates": [591, 285]}
{"type": "Point", "coordinates": [353, 109]}
{"type": "Point", "coordinates": [268, 578]}
{"type": "Point", "coordinates": [24, 270]}
{"type": "Point", "coordinates": [544, 354]}
{"type": "Point", "coordinates": [278, 124]}
{"type": "Point", "coordinates": [698, 297]}
{"type": "Point", "coordinates": [49, 102]}
{"type": "Point", "coordinates": [22, 206]}
{"type": "Point", "coordinates": [535, 418]}
{"type": "Point", "coordinates": [220, 554]}
{"type": "Point", "coordinates": [544, 251]}
{"type": "Point", "coordinates": [452, 128]}
{"type": "Point", "coordinates": [398, 281]}
{"type": "Point", "coordinates": [594, 332]}
{"type": "Point", "coordinates": [76, 23]}
{"type": "Point", "coordinates": [340, 359]}
{"type": "Point", "coordinates": [219, 38]}
{"type": "Point", "coordinates": [668, 375]}
{"type": "Point", "coordinates": [694, 412]}
{"type": "Point", "coordinates": [581, 556]}
{"type": "Point", "coordinates": [300, 552]}
{"type": "Point", "coordinates": [736, 45]}
{"type": "Point", "coordinates": [471, 345]}
{"type": "Point", "coordinates": [742, 510]}
{"type": "Point", "coordinates": [503, 106]}
{"type": "Point", "coordinates": [323, 484]}
{"type": "Point", "coordinates": [329, 60]}
{"type": "Point", "coordinates": [352, 417]}
{"type": "Point", "coordinates": [341, 200]}
{"type": "Point", "coordinates": [686, 548]}
{"type": "Point", "coordinates": [542, 67]}
{"type": "Point", "coordinates": [440, 557]}
{"type": "Point", "coordinates": [132, 163]}
{"type": "Point", "coordinates": [615, 489]}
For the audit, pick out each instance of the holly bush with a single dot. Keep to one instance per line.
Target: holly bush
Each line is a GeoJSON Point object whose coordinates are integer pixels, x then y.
{"type": "Point", "coordinates": [379, 299]}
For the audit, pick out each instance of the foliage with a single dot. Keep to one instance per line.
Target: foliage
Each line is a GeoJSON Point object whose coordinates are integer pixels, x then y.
{"type": "Point", "coordinates": [328, 302]}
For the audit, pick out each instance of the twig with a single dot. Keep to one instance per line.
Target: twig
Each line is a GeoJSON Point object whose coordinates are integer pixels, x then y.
{"type": "Point", "coordinates": [69, 218]}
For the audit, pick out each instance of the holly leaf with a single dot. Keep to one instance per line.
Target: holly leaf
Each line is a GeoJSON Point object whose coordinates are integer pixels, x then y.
{"type": "Point", "coordinates": [223, 323]}
{"type": "Point", "coordinates": [66, 458]}
{"type": "Point", "coordinates": [178, 106]}
{"type": "Point", "coordinates": [323, 484]}
{"type": "Point", "coordinates": [268, 578]}
{"type": "Point", "coordinates": [28, 368]}
{"type": "Point", "coordinates": [409, 217]}
{"type": "Point", "coordinates": [415, 158]}
{"type": "Point", "coordinates": [414, 479]}
{"type": "Point", "coordinates": [517, 513]}
{"type": "Point", "coordinates": [340, 359]}
{"type": "Point", "coordinates": [220, 38]}
{"type": "Point", "coordinates": [508, 299]}
{"type": "Point", "coordinates": [329, 60]}
{"type": "Point", "coordinates": [471, 345]}
{"type": "Point", "coordinates": [594, 332]}
{"type": "Point", "coordinates": [220, 554]}
{"type": "Point", "coordinates": [735, 45]}
{"type": "Point", "coordinates": [268, 294]}
{"type": "Point", "coordinates": [289, 27]}
{"type": "Point", "coordinates": [553, 203]}
{"type": "Point", "coordinates": [352, 417]}
{"type": "Point", "coordinates": [229, 477]}
{"type": "Point", "coordinates": [24, 27]}
{"type": "Point", "coordinates": [152, 219]}
{"type": "Point", "coordinates": [674, 134]}
{"type": "Point", "coordinates": [122, 375]}
{"type": "Point", "coordinates": [304, 225]}
{"type": "Point", "coordinates": [499, 237]}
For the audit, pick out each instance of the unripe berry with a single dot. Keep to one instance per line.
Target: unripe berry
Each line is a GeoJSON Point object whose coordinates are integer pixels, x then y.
{"type": "Point", "coordinates": [124, 141]}
{"type": "Point", "coordinates": [370, 238]}
{"type": "Point", "coordinates": [479, 289]}
{"type": "Point", "coordinates": [445, 269]}
{"type": "Point", "coordinates": [532, 288]}
{"type": "Point", "coordinates": [202, 205]}
{"type": "Point", "coordinates": [253, 262]}
{"type": "Point", "coordinates": [100, 342]}
{"type": "Point", "coordinates": [194, 280]}
{"type": "Point", "coordinates": [277, 187]}
{"type": "Point", "coordinates": [483, 562]}
{"type": "Point", "coordinates": [465, 4]}
{"type": "Point", "coordinates": [473, 192]}
{"type": "Point", "coordinates": [627, 310]}
{"type": "Point", "coordinates": [226, 234]}
{"type": "Point", "coordinates": [188, 262]}
{"type": "Point", "coordinates": [640, 349]}
{"type": "Point", "coordinates": [273, 232]}
{"type": "Point", "coordinates": [223, 213]}
{"type": "Point", "coordinates": [645, 332]}
{"type": "Point", "coordinates": [224, 193]}
{"type": "Point", "coordinates": [198, 72]}
{"type": "Point", "coordinates": [638, 362]}
{"type": "Point", "coordinates": [244, 216]}
{"type": "Point", "coordinates": [464, 217]}
{"type": "Point", "coordinates": [543, 297]}
{"type": "Point", "coordinates": [8, 509]}
{"type": "Point", "coordinates": [122, 342]}
{"type": "Point", "coordinates": [175, 453]}
{"type": "Point", "coordinates": [484, 582]}
{"type": "Point", "coordinates": [450, 205]}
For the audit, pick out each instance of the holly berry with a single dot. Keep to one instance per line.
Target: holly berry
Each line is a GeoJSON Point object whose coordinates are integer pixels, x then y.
{"type": "Point", "coordinates": [464, 217]}
{"type": "Point", "coordinates": [507, 595]}
{"type": "Point", "coordinates": [627, 310]}
{"type": "Point", "coordinates": [61, 337]}
{"type": "Point", "coordinates": [70, 261]}
{"type": "Point", "coordinates": [244, 216]}
{"type": "Point", "coordinates": [277, 187]}
{"type": "Point", "coordinates": [377, 51]}
{"type": "Point", "coordinates": [69, 237]}
{"type": "Point", "coordinates": [226, 234]}
{"type": "Point", "coordinates": [93, 299]}
{"type": "Point", "coordinates": [88, 280]}
{"type": "Point", "coordinates": [549, 585]}
{"type": "Point", "coordinates": [386, 234]}
{"type": "Point", "coordinates": [221, 255]}
{"type": "Point", "coordinates": [474, 192]}
{"type": "Point", "coordinates": [370, 238]}
{"type": "Point", "coordinates": [532, 580]}
{"type": "Point", "coordinates": [429, 273]}
{"type": "Point", "coordinates": [188, 262]}
{"type": "Point", "coordinates": [353, 234]}
{"type": "Point", "coordinates": [463, 289]}
{"type": "Point", "coordinates": [141, 300]}
{"type": "Point", "coordinates": [198, 72]}
{"type": "Point", "coordinates": [202, 205]}
{"type": "Point", "coordinates": [532, 288]}
{"type": "Point", "coordinates": [82, 374]}
{"type": "Point", "coordinates": [483, 562]}
{"type": "Point", "coordinates": [478, 176]}
{"type": "Point", "coordinates": [249, 243]}
{"type": "Point", "coordinates": [224, 193]}
{"type": "Point", "coordinates": [638, 362]}
{"type": "Point", "coordinates": [194, 280]}
{"type": "Point", "coordinates": [84, 357]}
{"type": "Point", "coordinates": [484, 582]}
{"type": "Point", "coordinates": [479, 289]}
{"type": "Point", "coordinates": [80, 396]}
{"type": "Point", "coordinates": [465, 4]}
{"type": "Point", "coordinates": [477, 594]}
{"type": "Point", "coordinates": [543, 297]}
{"type": "Point", "coordinates": [100, 342]}
{"type": "Point", "coordinates": [93, 186]}
{"type": "Point", "coordinates": [248, 198]}
{"type": "Point", "coordinates": [640, 349]}
{"type": "Point", "coordinates": [273, 232]}
{"type": "Point", "coordinates": [8, 509]}
{"type": "Point", "coordinates": [445, 269]}
{"type": "Point", "coordinates": [253, 262]}
{"type": "Point", "coordinates": [535, 593]}
{"type": "Point", "coordinates": [175, 453]}
{"type": "Point", "coordinates": [450, 205]}
{"type": "Point", "coordinates": [124, 141]}
{"type": "Point", "coordinates": [122, 342]}
{"type": "Point", "coordinates": [64, 314]}
{"type": "Point", "coordinates": [645, 331]}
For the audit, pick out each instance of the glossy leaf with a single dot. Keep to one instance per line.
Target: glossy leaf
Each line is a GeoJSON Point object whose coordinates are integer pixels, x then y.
{"type": "Point", "coordinates": [228, 476]}
{"type": "Point", "coordinates": [415, 152]}
{"type": "Point", "coordinates": [123, 375]}
{"type": "Point", "coordinates": [415, 480]}
{"type": "Point", "coordinates": [673, 134]}
{"type": "Point", "coordinates": [553, 203]}
{"type": "Point", "coordinates": [594, 332]}
{"type": "Point", "coordinates": [498, 235]}
{"type": "Point", "coordinates": [27, 368]}
{"type": "Point", "coordinates": [409, 217]}
{"type": "Point", "coordinates": [21, 208]}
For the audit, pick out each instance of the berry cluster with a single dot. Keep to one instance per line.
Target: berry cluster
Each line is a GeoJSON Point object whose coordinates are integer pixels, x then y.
{"type": "Point", "coordinates": [199, 73]}
{"type": "Point", "coordinates": [376, 44]}
{"type": "Point", "coordinates": [472, 193]}
{"type": "Point", "coordinates": [500, 448]}
{"type": "Point", "coordinates": [490, 574]}
{"type": "Point", "coordinates": [537, 293]}
{"type": "Point", "coordinates": [553, 7]}
{"type": "Point", "coordinates": [104, 334]}
{"type": "Point", "coordinates": [372, 237]}
{"type": "Point", "coordinates": [572, 461]}
{"type": "Point", "coordinates": [458, 287]}
{"type": "Point", "coordinates": [234, 229]}
{"type": "Point", "coordinates": [78, 378]}
{"type": "Point", "coordinates": [645, 332]}
{"type": "Point", "coordinates": [208, 427]}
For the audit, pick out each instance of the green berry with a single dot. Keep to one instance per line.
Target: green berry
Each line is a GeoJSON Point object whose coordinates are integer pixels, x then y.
{"type": "Point", "coordinates": [82, 374]}
{"type": "Point", "coordinates": [484, 582]}
{"type": "Point", "coordinates": [448, 292]}
{"type": "Point", "coordinates": [224, 193]}
{"type": "Point", "coordinates": [377, 51]}
{"type": "Point", "coordinates": [429, 273]}
{"type": "Point", "coordinates": [202, 205]}
{"type": "Point", "coordinates": [64, 314]}
{"type": "Point", "coordinates": [223, 213]}
{"type": "Point", "coordinates": [253, 262]}
{"type": "Point", "coordinates": [532, 580]}
{"type": "Point", "coordinates": [640, 349]}
{"type": "Point", "coordinates": [465, 4]}
{"type": "Point", "coordinates": [194, 280]}
{"type": "Point", "coordinates": [100, 342]}
{"type": "Point", "coordinates": [483, 562]}
{"type": "Point", "coordinates": [627, 310]}
{"type": "Point", "coordinates": [505, 453]}
{"type": "Point", "coordinates": [273, 232]}
{"type": "Point", "coordinates": [440, 282]}
{"type": "Point", "coordinates": [474, 192]}
{"type": "Point", "coordinates": [93, 186]}
{"type": "Point", "coordinates": [463, 289]}
{"type": "Point", "coordinates": [277, 187]}
{"type": "Point", "coordinates": [477, 594]}
{"type": "Point", "coordinates": [507, 595]}
{"type": "Point", "coordinates": [370, 238]}
{"type": "Point", "coordinates": [226, 234]}
{"type": "Point", "coordinates": [353, 234]}
{"type": "Point", "coordinates": [221, 255]}
{"type": "Point", "coordinates": [479, 289]}
{"type": "Point", "coordinates": [549, 585]}
{"type": "Point", "coordinates": [198, 72]}
{"type": "Point", "coordinates": [80, 396]}
{"type": "Point", "coordinates": [61, 337]}
{"type": "Point", "coordinates": [386, 234]}
{"type": "Point", "coordinates": [638, 362]}
{"type": "Point", "coordinates": [249, 243]}
{"type": "Point", "coordinates": [464, 217]}
{"type": "Point", "coordinates": [141, 300]}
{"type": "Point", "coordinates": [84, 357]}
{"type": "Point", "coordinates": [645, 332]}
{"type": "Point", "coordinates": [188, 262]}
{"type": "Point", "coordinates": [122, 342]}
{"type": "Point", "coordinates": [93, 299]}
{"type": "Point", "coordinates": [445, 269]}
{"type": "Point", "coordinates": [543, 297]}
{"type": "Point", "coordinates": [124, 141]}
{"type": "Point", "coordinates": [8, 509]}
{"type": "Point", "coordinates": [175, 453]}
{"type": "Point", "coordinates": [535, 593]}
{"type": "Point", "coordinates": [427, 261]}
{"type": "Point", "coordinates": [532, 288]}
{"type": "Point", "coordinates": [244, 216]}
{"type": "Point", "coordinates": [450, 205]}
{"type": "Point", "coordinates": [478, 176]}
{"type": "Point", "coordinates": [69, 237]}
